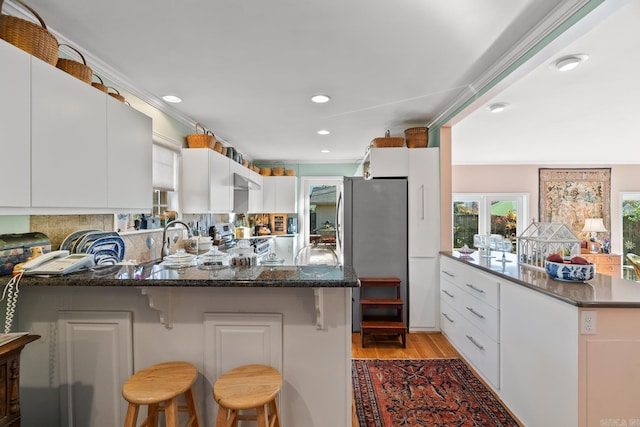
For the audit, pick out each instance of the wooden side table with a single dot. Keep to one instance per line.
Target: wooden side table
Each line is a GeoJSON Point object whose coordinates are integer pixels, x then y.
{"type": "Point", "coordinates": [10, 379]}
{"type": "Point", "coordinates": [609, 264]}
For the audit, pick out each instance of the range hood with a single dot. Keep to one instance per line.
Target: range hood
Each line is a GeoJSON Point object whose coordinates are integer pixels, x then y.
{"type": "Point", "coordinates": [244, 183]}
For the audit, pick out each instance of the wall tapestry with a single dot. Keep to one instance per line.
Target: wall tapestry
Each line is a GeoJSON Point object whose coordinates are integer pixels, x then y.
{"type": "Point", "coordinates": [569, 196]}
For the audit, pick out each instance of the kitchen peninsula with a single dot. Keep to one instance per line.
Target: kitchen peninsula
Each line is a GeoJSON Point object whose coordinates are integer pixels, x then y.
{"type": "Point", "coordinates": [557, 353]}
{"type": "Point", "coordinates": [99, 327]}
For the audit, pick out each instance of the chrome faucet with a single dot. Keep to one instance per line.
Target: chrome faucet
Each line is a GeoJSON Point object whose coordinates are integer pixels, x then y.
{"type": "Point", "coordinates": [166, 240]}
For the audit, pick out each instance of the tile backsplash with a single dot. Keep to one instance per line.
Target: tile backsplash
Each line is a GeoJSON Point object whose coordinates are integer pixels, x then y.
{"type": "Point", "coordinates": [142, 247]}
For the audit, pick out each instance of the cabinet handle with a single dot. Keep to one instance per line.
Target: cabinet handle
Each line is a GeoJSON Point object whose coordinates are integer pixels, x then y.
{"type": "Point", "coordinates": [447, 317]}
{"type": "Point", "coordinates": [474, 342]}
{"type": "Point", "coordinates": [444, 291]}
{"type": "Point", "coordinates": [448, 274]}
{"type": "Point", "coordinates": [421, 198]}
{"type": "Point", "coordinates": [475, 312]}
{"type": "Point", "coordinates": [474, 288]}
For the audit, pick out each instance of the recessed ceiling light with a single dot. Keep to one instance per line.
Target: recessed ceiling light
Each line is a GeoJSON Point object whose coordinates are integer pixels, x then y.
{"type": "Point", "coordinates": [321, 99]}
{"type": "Point", "coordinates": [325, 151]}
{"type": "Point", "coordinates": [569, 62]}
{"type": "Point", "coordinates": [497, 107]}
{"type": "Point", "coordinates": [323, 132]}
{"type": "Point", "coordinates": [172, 99]}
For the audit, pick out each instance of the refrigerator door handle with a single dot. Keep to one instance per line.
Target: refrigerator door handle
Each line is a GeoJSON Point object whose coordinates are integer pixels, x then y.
{"type": "Point", "coordinates": [339, 222]}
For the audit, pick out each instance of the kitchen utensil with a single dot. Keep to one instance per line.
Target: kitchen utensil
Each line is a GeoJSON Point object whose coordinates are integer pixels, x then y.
{"type": "Point", "coordinates": [213, 260]}
{"type": "Point", "coordinates": [243, 256]}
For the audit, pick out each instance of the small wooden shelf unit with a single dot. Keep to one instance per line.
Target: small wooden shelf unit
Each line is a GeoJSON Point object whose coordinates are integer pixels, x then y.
{"type": "Point", "coordinates": [374, 317]}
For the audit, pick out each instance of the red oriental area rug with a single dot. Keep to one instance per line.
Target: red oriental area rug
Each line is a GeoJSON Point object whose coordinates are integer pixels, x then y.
{"type": "Point", "coordinates": [423, 392]}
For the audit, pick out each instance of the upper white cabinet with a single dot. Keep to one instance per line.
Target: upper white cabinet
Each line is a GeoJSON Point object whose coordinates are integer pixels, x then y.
{"type": "Point", "coordinates": [72, 147]}
{"type": "Point", "coordinates": [424, 202]}
{"type": "Point", "coordinates": [207, 181]}
{"type": "Point", "coordinates": [129, 157]}
{"type": "Point", "coordinates": [68, 140]}
{"type": "Point", "coordinates": [386, 162]}
{"type": "Point", "coordinates": [280, 194]}
{"type": "Point", "coordinates": [247, 191]}
{"type": "Point", "coordinates": [15, 125]}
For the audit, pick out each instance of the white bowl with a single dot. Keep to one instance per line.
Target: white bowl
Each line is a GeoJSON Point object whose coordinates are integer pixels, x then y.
{"type": "Point", "coordinates": [570, 272]}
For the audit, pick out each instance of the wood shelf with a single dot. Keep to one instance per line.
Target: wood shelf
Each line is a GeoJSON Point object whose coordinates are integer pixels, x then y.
{"type": "Point", "coordinates": [372, 319]}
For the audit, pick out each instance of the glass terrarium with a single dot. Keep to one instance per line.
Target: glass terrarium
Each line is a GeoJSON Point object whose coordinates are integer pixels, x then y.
{"type": "Point", "coordinates": [541, 239]}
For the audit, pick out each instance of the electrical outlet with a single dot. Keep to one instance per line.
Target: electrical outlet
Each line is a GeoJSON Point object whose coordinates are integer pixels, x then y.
{"type": "Point", "coordinates": [587, 322]}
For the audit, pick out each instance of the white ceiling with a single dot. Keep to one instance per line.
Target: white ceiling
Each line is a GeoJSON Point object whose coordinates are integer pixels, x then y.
{"type": "Point", "coordinates": [587, 115]}
{"type": "Point", "coordinates": [246, 70]}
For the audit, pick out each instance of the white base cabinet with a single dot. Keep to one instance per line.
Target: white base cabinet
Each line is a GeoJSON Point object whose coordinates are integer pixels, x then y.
{"type": "Point", "coordinates": [91, 335]}
{"type": "Point", "coordinates": [423, 295]}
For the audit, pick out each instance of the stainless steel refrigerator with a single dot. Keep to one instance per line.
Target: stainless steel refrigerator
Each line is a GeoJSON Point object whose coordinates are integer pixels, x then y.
{"type": "Point", "coordinates": [372, 233]}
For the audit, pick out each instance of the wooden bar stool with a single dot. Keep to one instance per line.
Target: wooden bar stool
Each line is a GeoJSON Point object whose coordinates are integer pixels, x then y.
{"type": "Point", "coordinates": [159, 387]}
{"type": "Point", "coordinates": [249, 387]}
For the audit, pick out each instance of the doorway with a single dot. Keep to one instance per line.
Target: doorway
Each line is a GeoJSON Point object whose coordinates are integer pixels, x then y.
{"type": "Point", "coordinates": [320, 202]}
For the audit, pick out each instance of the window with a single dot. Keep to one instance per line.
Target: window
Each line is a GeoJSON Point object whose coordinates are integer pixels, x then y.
{"type": "Point", "coordinates": [503, 214]}
{"type": "Point", "coordinates": [320, 196]}
{"type": "Point", "coordinates": [165, 173]}
{"type": "Point", "coordinates": [630, 232]}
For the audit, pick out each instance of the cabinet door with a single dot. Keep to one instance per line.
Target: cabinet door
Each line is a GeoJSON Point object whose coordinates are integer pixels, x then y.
{"type": "Point", "coordinates": [129, 162]}
{"type": "Point", "coordinates": [280, 194]}
{"type": "Point", "coordinates": [388, 162]}
{"type": "Point", "coordinates": [15, 120]}
{"type": "Point", "coordinates": [68, 140]}
{"type": "Point", "coordinates": [91, 387]}
{"type": "Point", "coordinates": [285, 248]}
{"type": "Point", "coordinates": [424, 308]}
{"type": "Point", "coordinates": [255, 194]}
{"type": "Point", "coordinates": [424, 202]}
{"type": "Point", "coordinates": [206, 182]}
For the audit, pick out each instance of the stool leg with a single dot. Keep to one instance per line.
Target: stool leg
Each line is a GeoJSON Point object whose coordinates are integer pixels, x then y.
{"type": "Point", "coordinates": [171, 412]}
{"type": "Point", "coordinates": [274, 416]}
{"type": "Point", "coordinates": [262, 417]}
{"type": "Point", "coordinates": [152, 415]}
{"type": "Point", "coordinates": [194, 415]}
{"type": "Point", "coordinates": [226, 417]}
{"type": "Point", "coordinates": [132, 415]}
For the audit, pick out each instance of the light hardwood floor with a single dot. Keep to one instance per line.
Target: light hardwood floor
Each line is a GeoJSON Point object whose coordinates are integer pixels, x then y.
{"type": "Point", "coordinates": [420, 345]}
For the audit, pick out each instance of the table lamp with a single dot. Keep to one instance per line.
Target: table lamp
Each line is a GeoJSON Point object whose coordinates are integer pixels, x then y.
{"type": "Point", "coordinates": [594, 226]}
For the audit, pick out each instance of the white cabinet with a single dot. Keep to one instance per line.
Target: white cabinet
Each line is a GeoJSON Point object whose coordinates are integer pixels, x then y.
{"type": "Point", "coordinates": [386, 162]}
{"type": "Point", "coordinates": [256, 192]}
{"type": "Point", "coordinates": [280, 194]}
{"type": "Point", "coordinates": [423, 188]}
{"type": "Point", "coordinates": [235, 339]}
{"type": "Point", "coordinates": [96, 358]}
{"type": "Point", "coordinates": [470, 316]}
{"type": "Point", "coordinates": [424, 202]}
{"type": "Point", "coordinates": [66, 151]}
{"type": "Point", "coordinates": [68, 140]}
{"type": "Point", "coordinates": [286, 247]}
{"type": "Point", "coordinates": [207, 184]}
{"type": "Point", "coordinates": [129, 161]}
{"type": "Point", "coordinates": [423, 294]}
{"type": "Point", "coordinates": [15, 126]}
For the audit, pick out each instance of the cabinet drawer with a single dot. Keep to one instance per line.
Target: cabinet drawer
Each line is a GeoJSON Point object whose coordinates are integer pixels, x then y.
{"type": "Point", "coordinates": [484, 287]}
{"type": "Point", "coordinates": [482, 352]}
{"type": "Point", "coordinates": [449, 321]}
{"type": "Point", "coordinates": [480, 314]}
{"type": "Point", "coordinates": [609, 269]}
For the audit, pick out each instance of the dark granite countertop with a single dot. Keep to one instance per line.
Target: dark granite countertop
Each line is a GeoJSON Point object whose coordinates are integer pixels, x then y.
{"type": "Point", "coordinates": [153, 274]}
{"type": "Point", "coordinates": [602, 291]}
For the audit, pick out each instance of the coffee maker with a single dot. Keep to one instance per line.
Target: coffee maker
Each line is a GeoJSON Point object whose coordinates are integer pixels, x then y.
{"type": "Point", "coordinates": [292, 225]}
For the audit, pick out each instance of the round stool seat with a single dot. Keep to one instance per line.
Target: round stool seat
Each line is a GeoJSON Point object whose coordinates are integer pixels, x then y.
{"type": "Point", "coordinates": [248, 387]}
{"type": "Point", "coordinates": [158, 387]}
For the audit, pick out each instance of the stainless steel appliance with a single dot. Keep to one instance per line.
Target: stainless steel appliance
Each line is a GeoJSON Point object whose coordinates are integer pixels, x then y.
{"type": "Point", "coordinates": [225, 236]}
{"type": "Point", "coordinates": [372, 233]}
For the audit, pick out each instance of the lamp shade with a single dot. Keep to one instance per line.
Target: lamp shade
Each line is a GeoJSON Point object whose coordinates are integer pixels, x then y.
{"type": "Point", "coordinates": [594, 225]}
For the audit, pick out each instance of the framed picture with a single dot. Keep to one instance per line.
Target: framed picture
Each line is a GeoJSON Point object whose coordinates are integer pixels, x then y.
{"type": "Point", "coordinates": [569, 196]}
